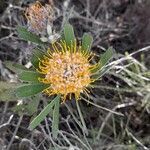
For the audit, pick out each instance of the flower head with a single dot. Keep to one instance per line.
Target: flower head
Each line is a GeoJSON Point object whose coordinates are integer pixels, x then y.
{"type": "Point", "coordinates": [39, 16]}
{"type": "Point", "coordinates": [68, 71]}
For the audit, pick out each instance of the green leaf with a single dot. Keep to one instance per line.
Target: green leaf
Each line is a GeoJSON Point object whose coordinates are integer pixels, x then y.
{"type": "Point", "coordinates": [38, 119]}
{"type": "Point", "coordinates": [17, 68]}
{"type": "Point", "coordinates": [30, 76]}
{"type": "Point", "coordinates": [7, 92]}
{"type": "Point", "coordinates": [105, 58]}
{"type": "Point", "coordinates": [87, 40]}
{"type": "Point", "coordinates": [37, 54]}
{"type": "Point", "coordinates": [32, 106]}
{"type": "Point", "coordinates": [55, 122]}
{"type": "Point", "coordinates": [28, 36]}
{"type": "Point", "coordinates": [101, 69]}
{"type": "Point", "coordinates": [30, 89]}
{"type": "Point", "coordinates": [69, 34]}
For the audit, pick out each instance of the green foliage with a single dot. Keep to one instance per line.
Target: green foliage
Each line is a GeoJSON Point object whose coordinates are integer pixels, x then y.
{"type": "Point", "coordinates": [7, 92]}
{"type": "Point", "coordinates": [29, 76]}
{"type": "Point", "coordinates": [37, 54]}
{"type": "Point", "coordinates": [30, 89]}
{"type": "Point", "coordinates": [87, 41]}
{"type": "Point", "coordinates": [69, 34]}
{"type": "Point", "coordinates": [32, 106]}
{"type": "Point", "coordinates": [101, 68]}
{"type": "Point", "coordinates": [39, 118]}
{"type": "Point", "coordinates": [29, 36]}
{"type": "Point", "coordinates": [105, 58]}
{"type": "Point", "coordinates": [17, 68]}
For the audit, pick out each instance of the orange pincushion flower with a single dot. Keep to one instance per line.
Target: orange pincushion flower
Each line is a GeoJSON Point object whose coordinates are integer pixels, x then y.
{"type": "Point", "coordinates": [39, 16]}
{"type": "Point", "coordinates": [67, 71]}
